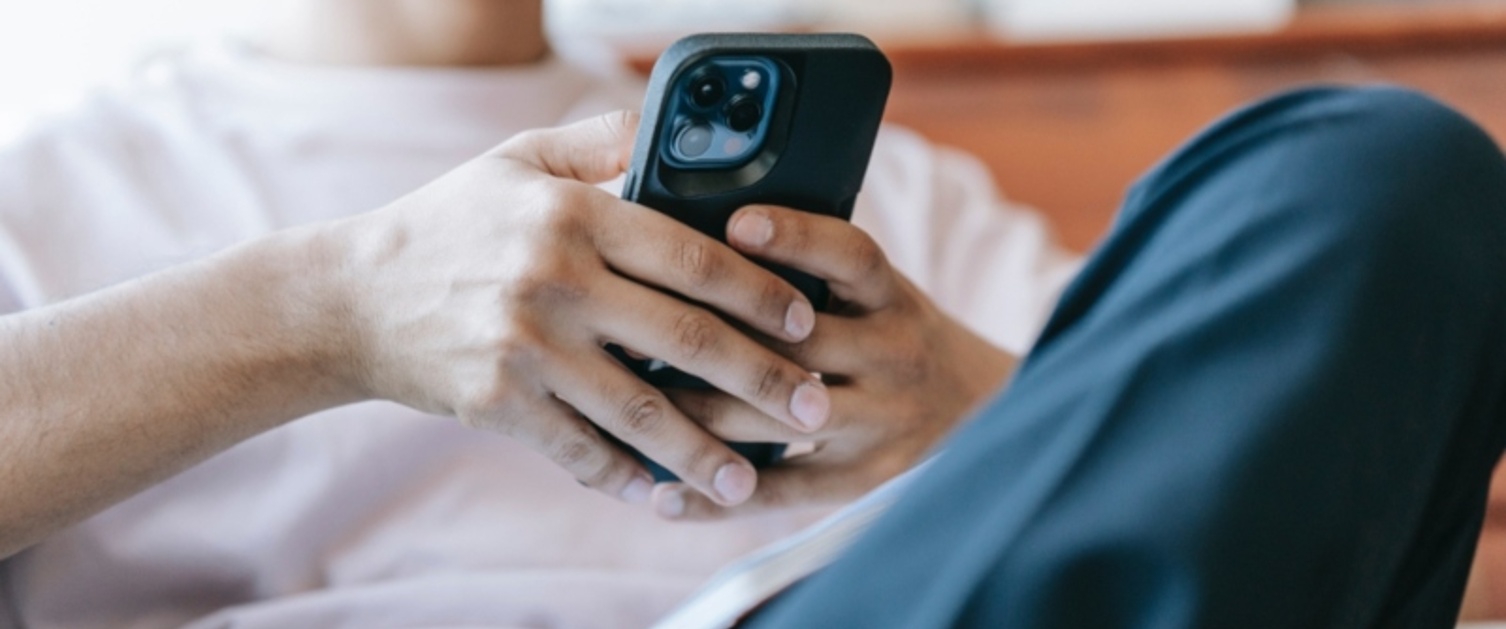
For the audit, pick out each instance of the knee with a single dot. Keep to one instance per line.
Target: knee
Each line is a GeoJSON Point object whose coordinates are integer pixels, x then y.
{"type": "Point", "coordinates": [1365, 168]}
{"type": "Point", "coordinates": [1389, 156]}
{"type": "Point", "coordinates": [1386, 111]}
{"type": "Point", "coordinates": [1407, 137]}
{"type": "Point", "coordinates": [1399, 189]}
{"type": "Point", "coordinates": [1406, 169]}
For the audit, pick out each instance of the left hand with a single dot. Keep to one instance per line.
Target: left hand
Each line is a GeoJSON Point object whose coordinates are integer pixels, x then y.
{"type": "Point", "coordinates": [901, 373]}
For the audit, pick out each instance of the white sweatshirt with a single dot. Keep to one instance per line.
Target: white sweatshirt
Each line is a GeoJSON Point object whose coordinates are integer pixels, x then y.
{"type": "Point", "coordinates": [374, 514]}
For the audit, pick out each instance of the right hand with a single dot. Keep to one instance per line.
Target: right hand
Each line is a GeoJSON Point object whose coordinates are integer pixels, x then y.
{"type": "Point", "coordinates": [490, 293]}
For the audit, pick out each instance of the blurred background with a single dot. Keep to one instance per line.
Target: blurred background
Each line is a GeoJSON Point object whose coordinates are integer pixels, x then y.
{"type": "Point", "coordinates": [1066, 101]}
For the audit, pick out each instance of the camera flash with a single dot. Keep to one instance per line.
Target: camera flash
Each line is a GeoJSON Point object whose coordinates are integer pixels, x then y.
{"type": "Point", "coordinates": [751, 80]}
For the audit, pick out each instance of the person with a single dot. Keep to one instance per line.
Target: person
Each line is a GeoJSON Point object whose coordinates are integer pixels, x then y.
{"type": "Point", "coordinates": [233, 169]}
{"type": "Point", "coordinates": [1219, 406]}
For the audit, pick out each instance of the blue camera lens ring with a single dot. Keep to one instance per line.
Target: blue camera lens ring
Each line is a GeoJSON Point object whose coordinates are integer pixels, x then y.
{"type": "Point", "coordinates": [739, 118]}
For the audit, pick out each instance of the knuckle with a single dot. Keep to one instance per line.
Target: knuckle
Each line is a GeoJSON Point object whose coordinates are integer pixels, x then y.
{"type": "Point", "coordinates": [698, 408]}
{"type": "Point", "coordinates": [487, 407]}
{"type": "Point", "coordinates": [618, 123]}
{"type": "Point", "coordinates": [527, 150]}
{"type": "Point", "coordinates": [770, 383]}
{"type": "Point", "coordinates": [704, 459]}
{"type": "Point", "coordinates": [628, 118]}
{"type": "Point", "coordinates": [548, 279]}
{"type": "Point", "coordinates": [695, 334]}
{"type": "Point", "coordinates": [516, 351]}
{"type": "Point", "coordinates": [866, 256]}
{"type": "Point", "coordinates": [798, 352]}
{"type": "Point", "coordinates": [791, 234]}
{"type": "Point", "coordinates": [565, 211]}
{"type": "Point", "coordinates": [500, 388]}
{"type": "Point", "coordinates": [483, 403]}
{"type": "Point", "coordinates": [585, 458]}
{"type": "Point", "coordinates": [698, 262]}
{"type": "Point", "coordinates": [774, 301]}
{"type": "Point", "coordinates": [908, 361]}
{"type": "Point", "coordinates": [573, 453]}
{"type": "Point", "coordinates": [641, 414]}
{"type": "Point", "coordinates": [597, 476]}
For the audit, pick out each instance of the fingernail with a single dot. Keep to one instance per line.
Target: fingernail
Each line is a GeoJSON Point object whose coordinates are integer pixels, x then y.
{"type": "Point", "coordinates": [751, 229]}
{"type": "Point", "coordinates": [810, 405]}
{"type": "Point", "coordinates": [734, 482]}
{"type": "Point", "coordinates": [799, 319]}
{"type": "Point", "coordinates": [672, 504]}
{"type": "Point", "coordinates": [638, 490]}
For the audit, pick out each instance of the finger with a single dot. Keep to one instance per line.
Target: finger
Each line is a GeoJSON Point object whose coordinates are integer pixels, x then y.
{"type": "Point", "coordinates": [732, 419]}
{"type": "Point", "coordinates": [837, 346]}
{"type": "Point", "coordinates": [659, 251]}
{"type": "Point", "coordinates": [557, 432]}
{"type": "Point", "coordinates": [779, 488]}
{"type": "Point", "coordinates": [592, 150]}
{"type": "Point", "coordinates": [614, 399]}
{"type": "Point", "coordinates": [832, 249]}
{"type": "Point", "coordinates": [696, 341]}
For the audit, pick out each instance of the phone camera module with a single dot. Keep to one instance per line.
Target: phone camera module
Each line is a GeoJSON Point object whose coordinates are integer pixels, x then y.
{"type": "Point", "coordinates": [743, 113]}
{"type": "Point", "coordinates": [719, 113]}
{"type": "Point", "coordinates": [707, 90]}
{"type": "Point", "coordinates": [694, 139]}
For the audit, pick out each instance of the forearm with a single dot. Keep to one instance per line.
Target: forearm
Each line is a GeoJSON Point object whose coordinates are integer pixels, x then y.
{"type": "Point", "coordinates": [104, 395]}
{"type": "Point", "coordinates": [487, 294]}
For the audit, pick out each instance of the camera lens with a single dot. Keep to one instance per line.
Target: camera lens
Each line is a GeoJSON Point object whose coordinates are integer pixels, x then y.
{"type": "Point", "coordinates": [743, 113]}
{"type": "Point", "coordinates": [707, 89]}
{"type": "Point", "coordinates": [694, 139]}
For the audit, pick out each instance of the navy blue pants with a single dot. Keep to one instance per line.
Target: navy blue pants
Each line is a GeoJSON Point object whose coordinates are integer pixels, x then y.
{"type": "Point", "coordinates": [1272, 399]}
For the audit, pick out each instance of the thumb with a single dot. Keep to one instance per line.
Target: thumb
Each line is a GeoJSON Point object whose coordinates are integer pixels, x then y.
{"type": "Point", "coordinates": [591, 151]}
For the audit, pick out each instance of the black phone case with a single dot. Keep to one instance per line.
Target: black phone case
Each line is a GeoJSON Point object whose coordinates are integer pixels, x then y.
{"type": "Point", "coordinates": [833, 91]}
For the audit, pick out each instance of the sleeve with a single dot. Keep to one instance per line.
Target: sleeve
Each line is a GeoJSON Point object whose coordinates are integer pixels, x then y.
{"type": "Point", "coordinates": [992, 264]}
{"type": "Point", "coordinates": [13, 197]}
{"type": "Point", "coordinates": [9, 302]}
{"type": "Point", "coordinates": [68, 185]}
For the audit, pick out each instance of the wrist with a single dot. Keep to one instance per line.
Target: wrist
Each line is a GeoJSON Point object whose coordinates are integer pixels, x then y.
{"type": "Point", "coordinates": [307, 303]}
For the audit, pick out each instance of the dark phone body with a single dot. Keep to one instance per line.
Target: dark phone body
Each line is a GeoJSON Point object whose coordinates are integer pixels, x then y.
{"type": "Point", "coordinates": [821, 131]}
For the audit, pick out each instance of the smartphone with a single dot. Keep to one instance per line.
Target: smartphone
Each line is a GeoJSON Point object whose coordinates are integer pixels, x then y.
{"type": "Point", "coordinates": [737, 119]}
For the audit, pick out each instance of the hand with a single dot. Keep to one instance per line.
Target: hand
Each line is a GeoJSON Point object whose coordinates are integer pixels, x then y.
{"type": "Point", "coordinates": [490, 293]}
{"type": "Point", "coordinates": [901, 373]}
